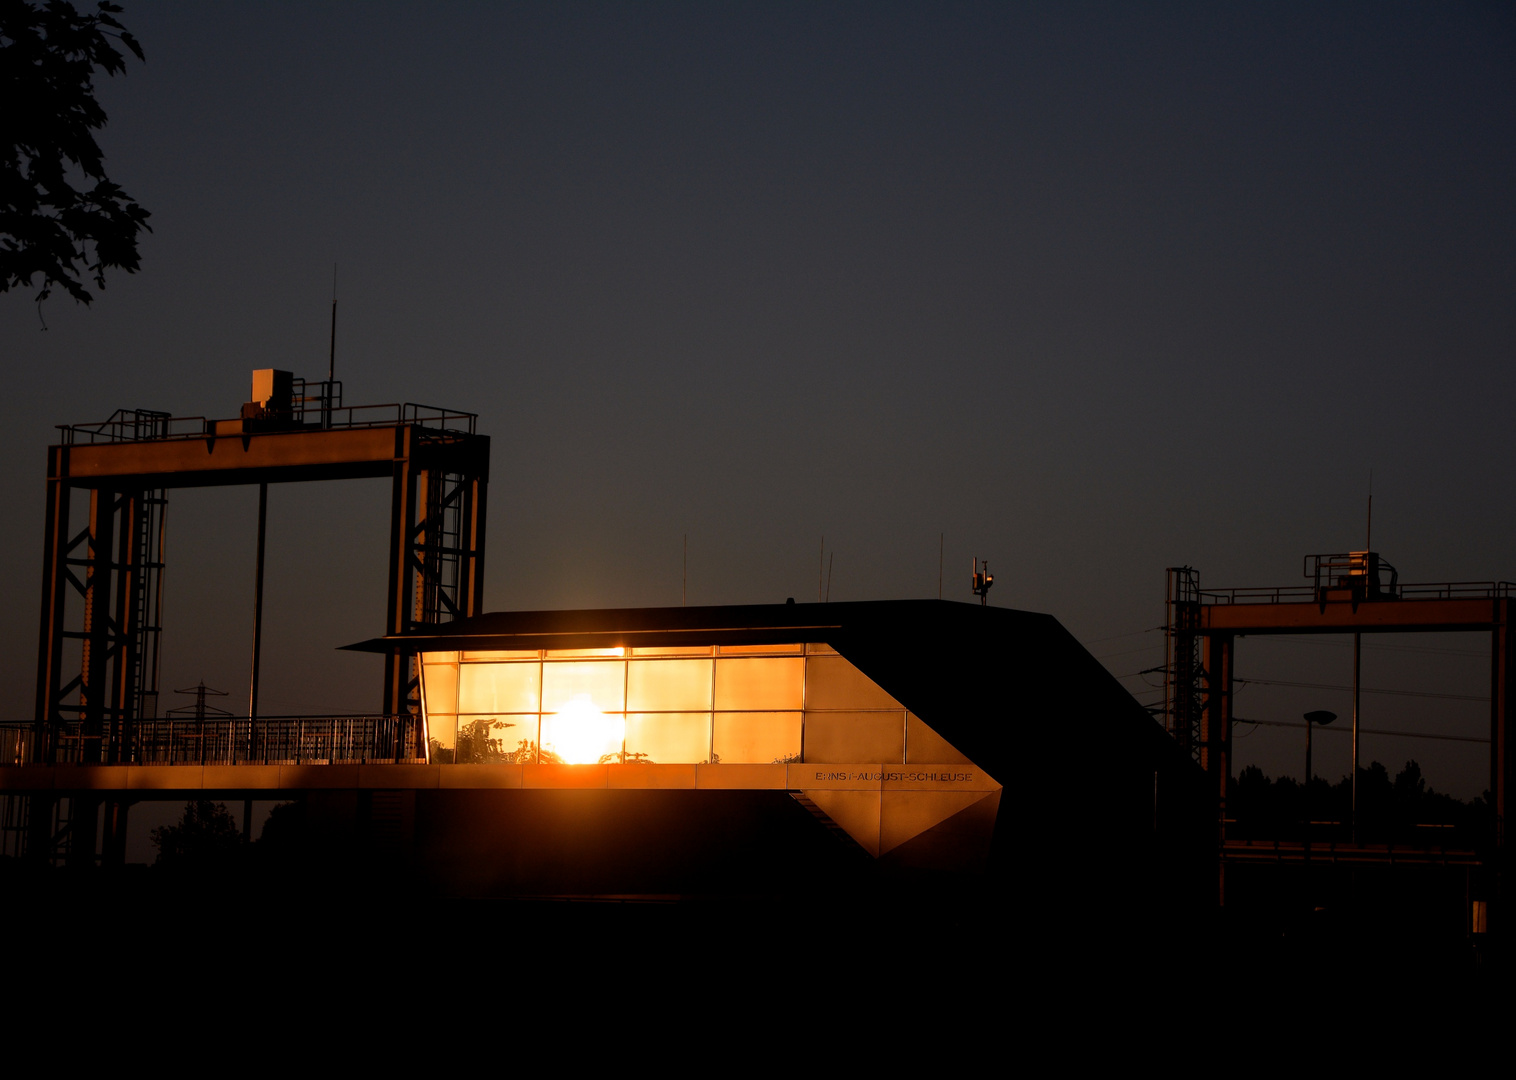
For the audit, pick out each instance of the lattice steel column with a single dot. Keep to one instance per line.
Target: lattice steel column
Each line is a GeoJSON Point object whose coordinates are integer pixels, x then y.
{"type": "Point", "coordinates": [56, 581]}
{"type": "Point", "coordinates": [1216, 734]}
{"type": "Point", "coordinates": [94, 707]}
{"type": "Point", "coordinates": [126, 612]}
{"type": "Point", "coordinates": [1182, 669]}
{"type": "Point", "coordinates": [397, 668]}
{"type": "Point", "coordinates": [436, 552]}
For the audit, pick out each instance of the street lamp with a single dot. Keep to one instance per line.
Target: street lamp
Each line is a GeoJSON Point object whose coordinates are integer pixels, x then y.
{"type": "Point", "coordinates": [1317, 716]}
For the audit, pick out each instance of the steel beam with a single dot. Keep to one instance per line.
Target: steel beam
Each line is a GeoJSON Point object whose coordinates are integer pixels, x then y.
{"type": "Point", "coordinates": [236, 459]}
{"type": "Point", "coordinates": [1339, 617]}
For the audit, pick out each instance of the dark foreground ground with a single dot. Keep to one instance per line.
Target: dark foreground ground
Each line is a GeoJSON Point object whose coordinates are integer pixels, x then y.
{"type": "Point", "coordinates": [863, 933]}
{"type": "Point", "coordinates": [759, 929]}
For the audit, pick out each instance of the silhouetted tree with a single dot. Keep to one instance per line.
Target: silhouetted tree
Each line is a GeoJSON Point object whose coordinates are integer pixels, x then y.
{"type": "Point", "coordinates": [206, 833]}
{"type": "Point", "coordinates": [48, 115]}
{"type": "Point", "coordinates": [284, 826]}
{"type": "Point", "coordinates": [1398, 811]}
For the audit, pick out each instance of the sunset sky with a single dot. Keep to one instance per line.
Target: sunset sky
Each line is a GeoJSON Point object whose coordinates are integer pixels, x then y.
{"type": "Point", "coordinates": [1088, 290]}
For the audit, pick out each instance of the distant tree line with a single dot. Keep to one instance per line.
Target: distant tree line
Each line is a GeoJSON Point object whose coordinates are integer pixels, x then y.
{"type": "Point", "coordinates": [206, 836]}
{"type": "Point", "coordinates": [1404, 811]}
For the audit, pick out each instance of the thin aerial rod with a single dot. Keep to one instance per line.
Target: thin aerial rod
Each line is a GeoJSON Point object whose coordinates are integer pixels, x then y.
{"type": "Point", "coordinates": [329, 392]}
{"type": "Point", "coordinates": [331, 359]}
{"type": "Point", "coordinates": [1368, 532]}
{"type": "Point", "coordinates": [831, 559]}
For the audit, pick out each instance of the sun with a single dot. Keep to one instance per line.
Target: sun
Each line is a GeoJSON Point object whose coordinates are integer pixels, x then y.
{"type": "Point", "coordinates": [580, 734]}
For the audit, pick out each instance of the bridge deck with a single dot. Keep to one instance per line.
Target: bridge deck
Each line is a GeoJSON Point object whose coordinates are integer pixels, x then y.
{"type": "Point", "coordinates": [149, 781]}
{"type": "Point", "coordinates": [1325, 851]}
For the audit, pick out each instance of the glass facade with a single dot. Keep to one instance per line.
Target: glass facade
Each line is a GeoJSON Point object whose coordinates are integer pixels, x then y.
{"type": "Point", "coordinates": [764, 704]}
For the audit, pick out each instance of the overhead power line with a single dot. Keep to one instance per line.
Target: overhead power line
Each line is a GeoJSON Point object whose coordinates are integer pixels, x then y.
{"type": "Point", "coordinates": [1430, 650]}
{"type": "Point", "coordinates": [1364, 730]}
{"type": "Point", "coordinates": [1115, 637]}
{"type": "Point", "coordinates": [1362, 690]}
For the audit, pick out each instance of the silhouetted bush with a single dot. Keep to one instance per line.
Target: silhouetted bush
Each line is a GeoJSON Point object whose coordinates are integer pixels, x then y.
{"type": "Point", "coordinates": [206, 834]}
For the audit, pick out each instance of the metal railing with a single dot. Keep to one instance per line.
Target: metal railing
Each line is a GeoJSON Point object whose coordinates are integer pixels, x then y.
{"type": "Point", "coordinates": [269, 740]}
{"type": "Point", "coordinates": [1302, 594]}
{"type": "Point", "coordinates": [144, 425]}
{"type": "Point", "coordinates": [134, 425]}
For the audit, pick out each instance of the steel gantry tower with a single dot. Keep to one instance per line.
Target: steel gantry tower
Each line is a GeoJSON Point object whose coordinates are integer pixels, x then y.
{"type": "Point", "coordinates": [101, 616]}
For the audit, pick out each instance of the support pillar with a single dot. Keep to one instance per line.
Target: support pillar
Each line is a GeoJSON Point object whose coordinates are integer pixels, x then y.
{"type": "Point", "coordinates": [130, 556]}
{"type": "Point", "coordinates": [1357, 695]}
{"type": "Point", "coordinates": [1502, 759]}
{"type": "Point", "coordinates": [252, 692]}
{"type": "Point", "coordinates": [471, 573]}
{"type": "Point", "coordinates": [1216, 734]}
{"type": "Point", "coordinates": [397, 667]}
{"type": "Point", "coordinates": [93, 694]}
{"type": "Point", "coordinates": [55, 586]}
{"type": "Point", "coordinates": [113, 843]}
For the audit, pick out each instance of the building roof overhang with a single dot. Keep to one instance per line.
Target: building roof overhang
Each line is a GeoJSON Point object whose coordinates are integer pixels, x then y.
{"type": "Point", "coordinates": [745, 624]}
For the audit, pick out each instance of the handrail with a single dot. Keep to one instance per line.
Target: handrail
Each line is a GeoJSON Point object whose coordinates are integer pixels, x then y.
{"type": "Point", "coordinates": [324, 739]}
{"type": "Point", "coordinates": [146, 425]}
{"type": "Point", "coordinates": [1428, 590]}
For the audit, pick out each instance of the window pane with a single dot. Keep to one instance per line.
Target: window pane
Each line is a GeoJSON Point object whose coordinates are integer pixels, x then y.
{"type": "Point", "coordinates": [582, 735]}
{"type": "Point", "coordinates": [517, 736]}
{"type": "Point", "coordinates": [439, 658]}
{"type": "Point", "coordinates": [821, 647]}
{"type": "Point", "coordinates": [676, 650]}
{"type": "Point", "coordinates": [497, 688]}
{"type": "Point", "coordinates": [439, 686]}
{"type": "Point", "coordinates": [511, 654]}
{"type": "Point", "coordinates": [757, 650]}
{"type": "Point", "coordinates": [832, 682]}
{"type": "Point", "coordinates": [668, 737]}
{"type": "Point", "coordinates": [617, 651]}
{"type": "Point", "coordinates": [497, 740]}
{"type": "Point", "coordinates": [602, 682]}
{"type": "Point", "coordinates": [757, 738]}
{"type": "Point", "coordinates": [442, 737]}
{"type": "Point", "coordinates": [778, 683]}
{"type": "Point", "coordinates": [672, 685]}
{"type": "Point", "coordinates": [855, 737]}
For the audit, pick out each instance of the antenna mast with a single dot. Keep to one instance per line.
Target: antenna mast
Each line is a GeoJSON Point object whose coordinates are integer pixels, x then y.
{"type": "Point", "coordinates": [1368, 536]}
{"type": "Point", "coordinates": [331, 359]}
{"type": "Point", "coordinates": [329, 390]}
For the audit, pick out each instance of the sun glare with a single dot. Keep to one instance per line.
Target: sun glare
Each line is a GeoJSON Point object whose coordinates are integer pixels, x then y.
{"type": "Point", "coordinates": [580, 734]}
